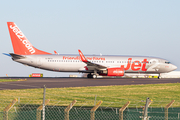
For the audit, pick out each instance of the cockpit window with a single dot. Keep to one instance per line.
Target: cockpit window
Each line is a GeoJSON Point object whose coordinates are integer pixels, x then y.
{"type": "Point", "coordinates": [167, 62]}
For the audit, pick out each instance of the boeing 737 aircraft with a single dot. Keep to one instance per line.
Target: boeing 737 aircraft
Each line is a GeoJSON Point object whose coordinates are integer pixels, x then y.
{"type": "Point", "coordinates": [94, 65]}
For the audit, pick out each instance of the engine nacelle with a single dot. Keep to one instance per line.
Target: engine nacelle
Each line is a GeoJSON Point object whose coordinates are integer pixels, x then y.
{"type": "Point", "coordinates": [115, 72]}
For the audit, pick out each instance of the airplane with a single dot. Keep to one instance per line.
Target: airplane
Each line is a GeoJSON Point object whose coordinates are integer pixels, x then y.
{"type": "Point", "coordinates": [93, 65]}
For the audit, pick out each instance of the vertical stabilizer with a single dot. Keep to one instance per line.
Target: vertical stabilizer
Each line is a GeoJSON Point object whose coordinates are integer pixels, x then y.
{"type": "Point", "coordinates": [20, 43]}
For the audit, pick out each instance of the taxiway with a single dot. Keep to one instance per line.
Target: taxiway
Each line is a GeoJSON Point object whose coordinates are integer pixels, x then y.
{"type": "Point", "coordinates": [31, 83]}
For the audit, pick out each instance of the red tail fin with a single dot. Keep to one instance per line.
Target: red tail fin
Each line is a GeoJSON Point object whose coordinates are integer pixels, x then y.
{"type": "Point", "coordinates": [21, 44]}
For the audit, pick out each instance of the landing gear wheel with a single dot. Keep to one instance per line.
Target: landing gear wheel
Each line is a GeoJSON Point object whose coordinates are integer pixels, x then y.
{"type": "Point", "coordinates": [159, 77]}
{"type": "Point", "coordinates": [89, 76]}
{"type": "Point", "coordinates": [94, 76]}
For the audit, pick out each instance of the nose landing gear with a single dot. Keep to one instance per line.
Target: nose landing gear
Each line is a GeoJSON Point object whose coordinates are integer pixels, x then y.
{"type": "Point", "coordinates": [159, 77]}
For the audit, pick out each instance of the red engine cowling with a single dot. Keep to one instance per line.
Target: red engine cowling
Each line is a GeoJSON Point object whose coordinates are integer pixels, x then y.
{"type": "Point", "coordinates": [115, 72]}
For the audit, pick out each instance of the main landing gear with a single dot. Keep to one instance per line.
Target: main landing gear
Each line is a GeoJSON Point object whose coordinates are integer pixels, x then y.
{"type": "Point", "coordinates": [91, 76]}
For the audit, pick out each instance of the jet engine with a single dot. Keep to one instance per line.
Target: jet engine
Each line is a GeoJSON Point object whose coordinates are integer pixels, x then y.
{"type": "Point", "coordinates": [115, 72]}
{"type": "Point", "coordinates": [112, 72]}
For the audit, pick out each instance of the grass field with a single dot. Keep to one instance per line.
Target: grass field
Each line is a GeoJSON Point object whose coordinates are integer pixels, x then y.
{"type": "Point", "coordinates": [112, 96]}
{"type": "Point", "coordinates": [11, 80]}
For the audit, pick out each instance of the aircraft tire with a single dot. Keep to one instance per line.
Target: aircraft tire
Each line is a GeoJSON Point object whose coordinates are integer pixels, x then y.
{"type": "Point", "coordinates": [89, 76]}
{"type": "Point", "coordinates": [94, 76]}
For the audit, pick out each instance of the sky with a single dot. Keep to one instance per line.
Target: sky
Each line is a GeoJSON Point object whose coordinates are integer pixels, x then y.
{"type": "Point", "coordinates": [116, 27]}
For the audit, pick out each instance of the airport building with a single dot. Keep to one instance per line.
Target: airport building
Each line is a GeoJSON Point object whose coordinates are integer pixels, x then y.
{"type": "Point", "coordinates": [173, 74]}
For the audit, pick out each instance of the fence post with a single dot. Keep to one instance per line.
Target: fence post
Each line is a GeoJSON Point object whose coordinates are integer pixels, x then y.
{"type": "Point", "coordinates": [94, 109]}
{"type": "Point", "coordinates": [44, 97]}
{"type": "Point", "coordinates": [145, 109]}
{"type": "Point", "coordinates": [95, 100]}
{"type": "Point", "coordinates": [39, 109]}
{"type": "Point", "coordinates": [66, 111]}
{"type": "Point", "coordinates": [122, 109]}
{"type": "Point", "coordinates": [166, 109]}
{"type": "Point", "coordinates": [5, 111]}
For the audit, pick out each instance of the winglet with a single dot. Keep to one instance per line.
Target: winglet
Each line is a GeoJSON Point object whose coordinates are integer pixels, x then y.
{"type": "Point", "coordinates": [55, 52]}
{"type": "Point", "coordinates": [82, 56]}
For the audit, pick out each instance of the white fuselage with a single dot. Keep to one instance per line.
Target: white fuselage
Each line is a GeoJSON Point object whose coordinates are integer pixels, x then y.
{"type": "Point", "coordinates": [73, 63]}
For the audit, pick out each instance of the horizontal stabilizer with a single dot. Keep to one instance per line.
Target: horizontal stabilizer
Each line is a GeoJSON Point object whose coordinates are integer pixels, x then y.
{"type": "Point", "coordinates": [16, 56]}
{"type": "Point", "coordinates": [7, 54]}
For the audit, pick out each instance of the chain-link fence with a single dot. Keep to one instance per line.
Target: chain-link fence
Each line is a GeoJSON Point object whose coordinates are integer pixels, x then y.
{"type": "Point", "coordinates": [27, 105]}
{"type": "Point", "coordinates": [29, 111]}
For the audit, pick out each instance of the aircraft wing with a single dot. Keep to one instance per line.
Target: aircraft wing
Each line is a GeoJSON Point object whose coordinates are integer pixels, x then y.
{"type": "Point", "coordinates": [90, 64]}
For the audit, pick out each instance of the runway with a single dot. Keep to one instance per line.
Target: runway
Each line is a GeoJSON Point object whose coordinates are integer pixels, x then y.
{"type": "Point", "coordinates": [32, 83]}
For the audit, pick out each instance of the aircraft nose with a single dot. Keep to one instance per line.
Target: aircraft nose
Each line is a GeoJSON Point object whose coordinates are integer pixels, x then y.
{"type": "Point", "coordinates": [174, 67]}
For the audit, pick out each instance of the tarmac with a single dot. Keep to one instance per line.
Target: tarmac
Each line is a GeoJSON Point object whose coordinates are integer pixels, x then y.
{"type": "Point", "coordinates": [59, 82]}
